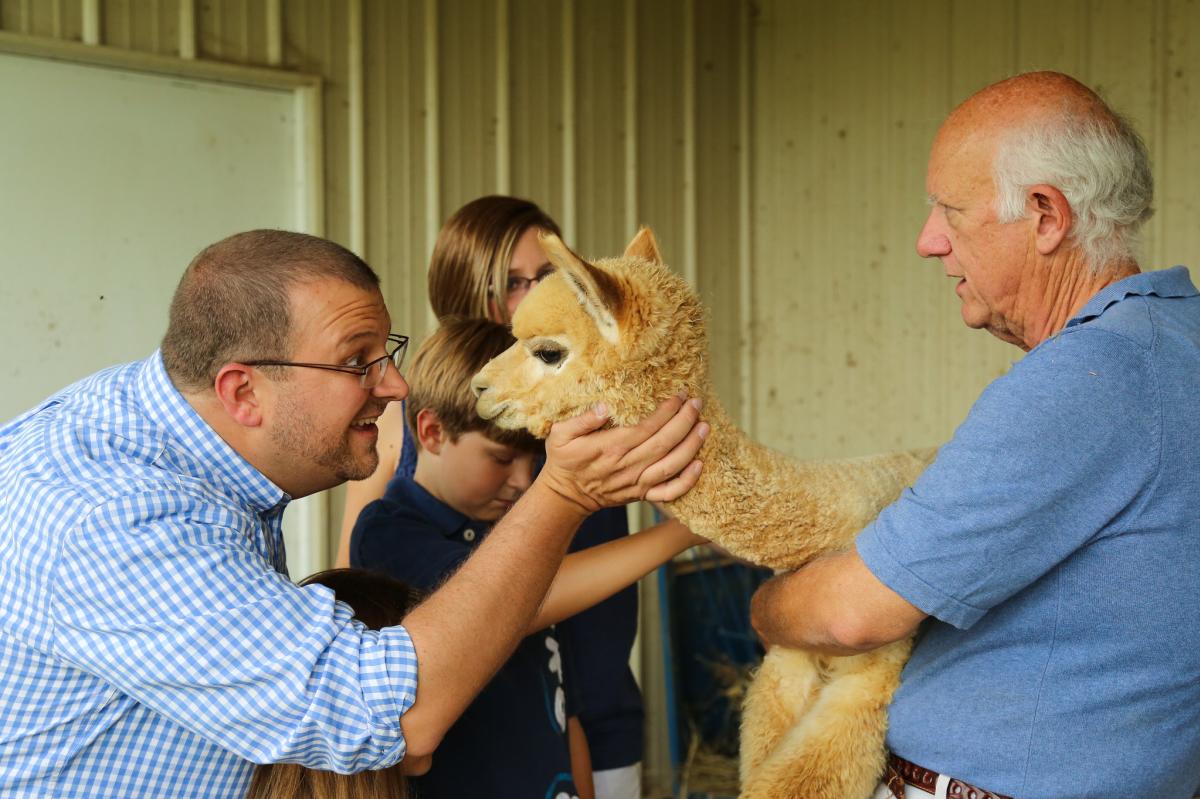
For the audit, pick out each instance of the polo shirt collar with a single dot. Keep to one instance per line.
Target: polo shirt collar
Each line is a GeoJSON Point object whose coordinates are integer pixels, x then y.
{"type": "Point", "coordinates": [445, 518]}
{"type": "Point", "coordinates": [204, 454]}
{"type": "Point", "coordinates": [1173, 282]}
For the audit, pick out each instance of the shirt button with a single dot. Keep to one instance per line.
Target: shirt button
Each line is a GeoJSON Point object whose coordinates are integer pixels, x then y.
{"type": "Point", "coordinates": [468, 534]}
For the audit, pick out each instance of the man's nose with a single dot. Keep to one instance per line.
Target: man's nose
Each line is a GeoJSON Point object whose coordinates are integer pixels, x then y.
{"type": "Point", "coordinates": [393, 386]}
{"type": "Point", "coordinates": [932, 241]}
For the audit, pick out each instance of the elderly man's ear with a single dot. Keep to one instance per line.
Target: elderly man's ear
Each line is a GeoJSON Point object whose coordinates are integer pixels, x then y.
{"type": "Point", "coordinates": [235, 391]}
{"type": "Point", "coordinates": [1054, 217]}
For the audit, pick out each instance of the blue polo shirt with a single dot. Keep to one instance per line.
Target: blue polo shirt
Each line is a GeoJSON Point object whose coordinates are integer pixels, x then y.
{"type": "Point", "coordinates": [599, 640]}
{"type": "Point", "coordinates": [512, 740]}
{"type": "Point", "coordinates": [1055, 542]}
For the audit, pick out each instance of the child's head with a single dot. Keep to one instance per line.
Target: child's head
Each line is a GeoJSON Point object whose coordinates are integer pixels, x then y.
{"type": "Point", "coordinates": [481, 247]}
{"type": "Point", "coordinates": [378, 601]}
{"type": "Point", "coordinates": [465, 461]}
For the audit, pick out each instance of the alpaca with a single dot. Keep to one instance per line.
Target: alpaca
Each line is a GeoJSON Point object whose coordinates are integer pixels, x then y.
{"type": "Point", "coordinates": [628, 332]}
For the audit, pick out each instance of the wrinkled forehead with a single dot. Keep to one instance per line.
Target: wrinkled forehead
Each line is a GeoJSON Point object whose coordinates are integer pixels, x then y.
{"type": "Point", "coordinates": [961, 158]}
{"type": "Point", "coordinates": [327, 306]}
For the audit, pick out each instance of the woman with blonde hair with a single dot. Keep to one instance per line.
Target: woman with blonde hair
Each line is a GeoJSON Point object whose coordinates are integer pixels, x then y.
{"type": "Point", "coordinates": [485, 260]}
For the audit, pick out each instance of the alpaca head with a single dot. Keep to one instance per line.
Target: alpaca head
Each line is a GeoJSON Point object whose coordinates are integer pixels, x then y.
{"type": "Point", "coordinates": [625, 331]}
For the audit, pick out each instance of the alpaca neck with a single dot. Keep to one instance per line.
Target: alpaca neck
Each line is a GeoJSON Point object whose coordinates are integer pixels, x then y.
{"type": "Point", "coordinates": [778, 511]}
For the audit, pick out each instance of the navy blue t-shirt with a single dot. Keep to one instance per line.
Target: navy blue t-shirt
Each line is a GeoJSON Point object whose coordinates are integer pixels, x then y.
{"type": "Point", "coordinates": [512, 740]}
{"type": "Point", "coordinates": [599, 641]}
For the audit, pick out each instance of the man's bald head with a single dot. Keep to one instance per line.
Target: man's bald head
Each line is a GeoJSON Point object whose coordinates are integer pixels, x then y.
{"type": "Point", "coordinates": [1048, 128]}
{"type": "Point", "coordinates": [1016, 101]}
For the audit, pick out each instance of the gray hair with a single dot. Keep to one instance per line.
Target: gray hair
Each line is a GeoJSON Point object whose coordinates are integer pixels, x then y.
{"type": "Point", "coordinates": [1101, 167]}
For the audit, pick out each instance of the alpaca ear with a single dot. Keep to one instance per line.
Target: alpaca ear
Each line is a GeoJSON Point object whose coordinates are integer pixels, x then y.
{"type": "Point", "coordinates": [597, 292]}
{"type": "Point", "coordinates": [644, 245]}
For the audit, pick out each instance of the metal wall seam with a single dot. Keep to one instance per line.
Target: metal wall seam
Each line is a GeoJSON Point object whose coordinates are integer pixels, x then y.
{"type": "Point", "coordinates": [274, 32]}
{"type": "Point", "coordinates": [631, 133]}
{"type": "Point", "coordinates": [433, 199]}
{"type": "Point", "coordinates": [1160, 69]}
{"type": "Point", "coordinates": [568, 122]}
{"type": "Point", "coordinates": [187, 29]}
{"type": "Point", "coordinates": [356, 112]}
{"type": "Point", "coordinates": [503, 122]}
{"type": "Point", "coordinates": [91, 21]}
{"type": "Point", "coordinates": [690, 232]}
{"type": "Point", "coordinates": [745, 264]}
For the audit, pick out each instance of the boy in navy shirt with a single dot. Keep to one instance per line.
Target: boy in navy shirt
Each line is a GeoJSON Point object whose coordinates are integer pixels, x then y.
{"type": "Point", "coordinates": [512, 741]}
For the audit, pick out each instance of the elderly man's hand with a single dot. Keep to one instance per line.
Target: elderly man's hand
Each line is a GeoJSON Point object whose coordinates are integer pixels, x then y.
{"type": "Point", "coordinates": [653, 460]}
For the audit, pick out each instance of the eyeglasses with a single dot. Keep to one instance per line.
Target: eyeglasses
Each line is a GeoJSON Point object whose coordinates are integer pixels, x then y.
{"type": "Point", "coordinates": [369, 375]}
{"type": "Point", "coordinates": [519, 285]}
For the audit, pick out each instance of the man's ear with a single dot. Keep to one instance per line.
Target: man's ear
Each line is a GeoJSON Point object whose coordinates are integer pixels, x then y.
{"type": "Point", "coordinates": [235, 389]}
{"type": "Point", "coordinates": [430, 432]}
{"type": "Point", "coordinates": [1052, 211]}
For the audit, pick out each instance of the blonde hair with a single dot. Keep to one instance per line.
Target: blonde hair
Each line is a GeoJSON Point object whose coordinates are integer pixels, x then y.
{"type": "Point", "coordinates": [378, 601]}
{"type": "Point", "coordinates": [440, 380]}
{"type": "Point", "coordinates": [474, 248]}
{"type": "Point", "coordinates": [290, 781]}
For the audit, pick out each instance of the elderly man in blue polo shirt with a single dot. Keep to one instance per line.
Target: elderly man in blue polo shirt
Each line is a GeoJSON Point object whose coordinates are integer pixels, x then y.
{"type": "Point", "coordinates": [1051, 554]}
{"type": "Point", "coordinates": [151, 644]}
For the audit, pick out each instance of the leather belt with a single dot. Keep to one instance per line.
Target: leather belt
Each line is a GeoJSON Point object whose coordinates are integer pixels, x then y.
{"type": "Point", "coordinates": [901, 772]}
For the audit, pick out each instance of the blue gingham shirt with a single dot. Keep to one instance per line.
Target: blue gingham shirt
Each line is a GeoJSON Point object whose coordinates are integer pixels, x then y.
{"type": "Point", "coordinates": [151, 644]}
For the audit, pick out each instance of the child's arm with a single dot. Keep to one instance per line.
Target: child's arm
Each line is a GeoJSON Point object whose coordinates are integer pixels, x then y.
{"type": "Point", "coordinates": [593, 575]}
{"type": "Point", "coordinates": [581, 759]}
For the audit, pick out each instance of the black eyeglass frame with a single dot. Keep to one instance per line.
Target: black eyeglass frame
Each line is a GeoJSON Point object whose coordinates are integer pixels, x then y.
{"type": "Point", "coordinates": [523, 283]}
{"type": "Point", "coordinates": [396, 356]}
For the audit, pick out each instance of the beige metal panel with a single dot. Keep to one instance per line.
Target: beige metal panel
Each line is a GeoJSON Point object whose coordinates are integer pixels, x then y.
{"type": "Point", "coordinates": [1052, 36]}
{"type": "Point", "coordinates": [147, 26]}
{"type": "Point", "coordinates": [717, 182]}
{"type": "Point", "coordinates": [926, 363]}
{"type": "Point", "coordinates": [116, 23]}
{"type": "Point", "coordinates": [852, 347]}
{"type": "Point", "coordinates": [536, 93]}
{"type": "Point", "coordinates": [318, 43]}
{"type": "Point", "coordinates": [660, 125]}
{"type": "Point", "coordinates": [1125, 65]}
{"type": "Point", "coordinates": [1178, 170]}
{"type": "Point", "coordinates": [974, 60]}
{"type": "Point", "coordinates": [467, 101]}
{"type": "Point", "coordinates": [600, 88]}
{"type": "Point", "coordinates": [15, 17]}
{"type": "Point", "coordinates": [53, 18]}
{"type": "Point", "coordinates": [236, 30]}
{"type": "Point", "coordinates": [397, 242]}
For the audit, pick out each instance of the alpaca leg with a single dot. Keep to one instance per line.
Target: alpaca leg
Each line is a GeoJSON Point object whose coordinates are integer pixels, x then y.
{"type": "Point", "coordinates": [837, 750]}
{"type": "Point", "coordinates": [779, 694]}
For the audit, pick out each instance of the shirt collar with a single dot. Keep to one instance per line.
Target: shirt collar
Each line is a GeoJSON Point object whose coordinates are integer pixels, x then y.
{"type": "Point", "coordinates": [445, 518]}
{"type": "Point", "coordinates": [1173, 282]}
{"type": "Point", "coordinates": [197, 448]}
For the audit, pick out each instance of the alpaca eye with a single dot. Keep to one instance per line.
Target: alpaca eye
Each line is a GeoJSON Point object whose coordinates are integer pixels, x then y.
{"type": "Point", "coordinates": [549, 357]}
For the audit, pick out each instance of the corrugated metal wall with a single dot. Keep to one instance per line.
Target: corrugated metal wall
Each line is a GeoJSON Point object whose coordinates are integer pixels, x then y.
{"type": "Point", "coordinates": [777, 148]}
{"type": "Point", "coordinates": [858, 342]}
{"type": "Point", "coordinates": [609, 113]}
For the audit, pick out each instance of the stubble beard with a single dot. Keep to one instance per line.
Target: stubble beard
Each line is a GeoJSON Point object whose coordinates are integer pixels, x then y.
{"type": "Point", "coordinates": [300, 436]}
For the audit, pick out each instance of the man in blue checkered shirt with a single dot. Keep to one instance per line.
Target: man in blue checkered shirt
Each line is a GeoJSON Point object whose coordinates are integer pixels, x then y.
{"type": "Point", "coordinates": [151, 643]}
